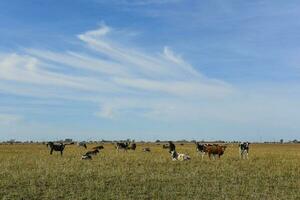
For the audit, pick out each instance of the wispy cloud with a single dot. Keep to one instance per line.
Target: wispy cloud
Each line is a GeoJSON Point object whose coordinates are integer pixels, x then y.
{"type": "Point", "coordinates": [119, 79]}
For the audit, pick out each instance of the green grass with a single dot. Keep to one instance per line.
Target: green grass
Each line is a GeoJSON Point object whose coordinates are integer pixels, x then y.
{"type": "Point", "coordinates": [29, 172]}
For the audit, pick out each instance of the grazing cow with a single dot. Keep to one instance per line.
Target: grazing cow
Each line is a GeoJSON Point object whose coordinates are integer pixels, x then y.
{"type": "Point", "coordinates": [121, 145]}
{"type": "Point", "coordinates": [215, 150]}
{"type": "Point", "coordinates": [244, 150]}
{"type": "Point", "coordinates": [94, 152]}
{"type": "Point", "coordinates": [56, 147]}
{"type": "Point", "coordinates": [172, 146]}
{"type": "Point", "coordinates": [132, 146]}
{"type": "Point", "coordinates": [82, 144]}
{"type": "Point", "coordinates": [165, 146]}
{"type": "Point", "coordinates": [98, 147]}
{"type": "Point", "coordinates": [86, 157]}
{"type": "Point", "coordinates": [147, 149]}
{"type": "Point", "coordinates": [179, 156]}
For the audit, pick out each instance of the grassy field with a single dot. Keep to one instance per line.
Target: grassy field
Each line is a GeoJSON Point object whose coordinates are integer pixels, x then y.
{"type": "Point", "coordinates": [29, 172]}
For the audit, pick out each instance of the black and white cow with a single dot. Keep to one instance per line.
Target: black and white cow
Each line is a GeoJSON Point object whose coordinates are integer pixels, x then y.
{"type": "Point", "coordinates": [201, 148]}
{"type": "Point", "coordinates": [179, 156]}
{"type": "Point", "coordinates": [122, 145]}
{"type": "Point", "coordinates": [56, 147]}
{"type": "Point", "coordinates": [86, 157]}
{"type": "Point", "coordinates": [244, 150]}
{"type": "Point", "coordinates": [171, 146]}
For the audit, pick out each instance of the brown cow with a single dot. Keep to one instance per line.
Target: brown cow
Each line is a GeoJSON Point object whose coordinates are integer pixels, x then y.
{"type": "Point", "coordinates": [215, 150]}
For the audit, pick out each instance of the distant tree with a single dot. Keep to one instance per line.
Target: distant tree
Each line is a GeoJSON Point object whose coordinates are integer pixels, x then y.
{"type": "Point", "coordinates": [157, 141]}
{"type": "Point", "coordinates": [281, 141]}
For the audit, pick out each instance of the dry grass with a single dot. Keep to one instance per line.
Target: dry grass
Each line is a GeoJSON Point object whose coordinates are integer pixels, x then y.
{"type": "Point", "coordinates": [29, 172]}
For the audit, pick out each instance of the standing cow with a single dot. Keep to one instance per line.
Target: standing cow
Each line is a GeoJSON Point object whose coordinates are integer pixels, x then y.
{"type": "Point", "coordinates": [244, 150]}
{"type": "Point", "coordinates": [57, 147]}
{"type": "Point", "coordinates": [215, 150]}
{"type": "Point", "coordinates": [201, 148]}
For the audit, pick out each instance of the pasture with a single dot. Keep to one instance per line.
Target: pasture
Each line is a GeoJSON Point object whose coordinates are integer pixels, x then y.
{"type": "Point", "coordinates": [29, 172]}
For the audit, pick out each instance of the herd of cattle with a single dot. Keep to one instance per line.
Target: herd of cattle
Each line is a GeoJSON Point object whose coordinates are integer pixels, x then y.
{"type": "Point", "coordinates": [212, 150]}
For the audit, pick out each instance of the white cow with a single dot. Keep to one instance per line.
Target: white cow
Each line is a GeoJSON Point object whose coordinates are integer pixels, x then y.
{"type": "Point", "coordinates": [179, 156]}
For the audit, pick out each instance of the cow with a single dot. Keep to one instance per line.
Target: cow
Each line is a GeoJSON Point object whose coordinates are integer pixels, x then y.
{"type": "Point", "coordinates": [82, 144]}
{"type": "Point", "coordinates": [98, 147]}
{"type": "Point", "coordinates": [122, 145]}
{"type": "Point", "coordinates": [244, 150]}
{"type": "Point", "coordinates": [215, 150]}
{"type": "Point", "coordinates": [201, 148]}
{"type": "Point", "coordinates": [132, 146]}
{"type": "Point", "coordinates": [94, 152]}
{"type": "Point", "coordinates": [56, 147]}
{"type": "Point", "coordinates": [165, 146]}
{"type": "Point", "coordinates": [147, 149]}
{"type": "Point", "coordinates": [179, 156]}
{"type": "Point", "coordinates": [86, 157]}
{"type": "Point", "coordinates": [172, 146]}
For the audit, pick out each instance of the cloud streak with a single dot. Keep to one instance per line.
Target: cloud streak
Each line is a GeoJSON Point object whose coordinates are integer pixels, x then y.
{"type": "Point", "coordinates": [119, 79]}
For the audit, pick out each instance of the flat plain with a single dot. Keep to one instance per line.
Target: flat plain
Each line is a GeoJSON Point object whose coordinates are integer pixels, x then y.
{"type": "Point", "coordinates": [29, 172]}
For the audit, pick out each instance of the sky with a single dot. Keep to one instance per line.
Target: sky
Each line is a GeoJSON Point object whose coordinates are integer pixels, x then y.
{"type": "Point", "coordinates": [149, 69]}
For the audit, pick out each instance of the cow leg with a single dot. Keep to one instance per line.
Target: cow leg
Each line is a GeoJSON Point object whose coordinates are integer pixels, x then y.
{"type": "Point", "coordinates": [51, 151]}
{"type": "Point", "coordinates": [61, 153]}
{"type": "Point", "coordinates": [202, 154]}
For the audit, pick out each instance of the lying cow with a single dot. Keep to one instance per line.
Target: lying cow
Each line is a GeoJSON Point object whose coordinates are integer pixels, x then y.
{"type": "Point", "coordinates": [86, 157]}
{"type": "Point", "coordinates": [147, 149]}
{"type": "Point", "coordinates": [93, 152]}
{"type": "Point", "coordinates": [179, 156]}
{"type": "Point", "coordinates": [244, 150]}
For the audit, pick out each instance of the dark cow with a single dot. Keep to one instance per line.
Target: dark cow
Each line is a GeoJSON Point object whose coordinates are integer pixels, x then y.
{"type": "Point", "coordinates": [165, 146]}
{"type": "Point", "coordinates": [215, 150]}
{"type": "Point", "coordinates": [94, 152]}
{"type": "Point", "coordinates": [172, 146]}
{"type": "Point", "coordinates": [132, 146]}
{"type": "Point", "coordinates": [98, 147]}
{"type": "Point", "coordinates": [122, 145]}
{"type": "Point", "coordinates": [244, 150]}
{"type": "Point", "coordinates": [56, 147]}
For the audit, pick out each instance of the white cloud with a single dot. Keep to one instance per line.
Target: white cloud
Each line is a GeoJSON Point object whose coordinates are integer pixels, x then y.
{"type": "Point", "coordinates": [119, 79]}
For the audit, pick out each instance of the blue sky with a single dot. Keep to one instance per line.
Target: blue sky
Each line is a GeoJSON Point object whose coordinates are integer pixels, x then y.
{"type": "Point", "coordinates": [149, 69]}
